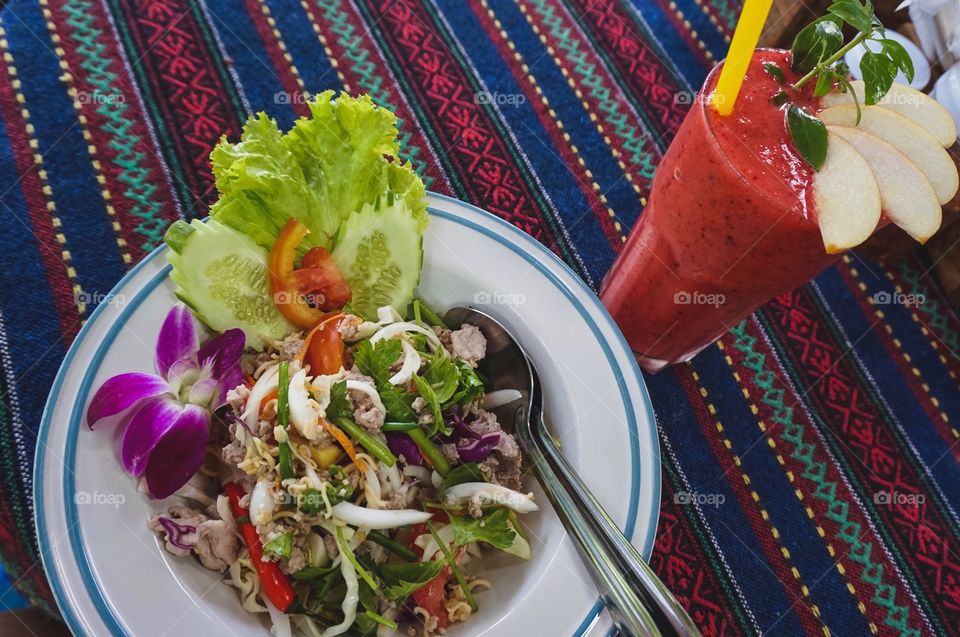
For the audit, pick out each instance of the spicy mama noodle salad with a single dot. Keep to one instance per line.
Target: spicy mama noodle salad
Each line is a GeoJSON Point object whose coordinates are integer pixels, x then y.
{"type": "Point", "coordinates": [325, 441]}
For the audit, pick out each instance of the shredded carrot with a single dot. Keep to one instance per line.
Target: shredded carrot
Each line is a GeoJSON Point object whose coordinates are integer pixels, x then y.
{"type": "Point", "coordinates": [313, 330]}
{"type": "Point", "coordinates": [344, 441]}
{"type": "Point", "coordinates": [273, 393]}
{"type": "Point", "coordinates": [251, 381]}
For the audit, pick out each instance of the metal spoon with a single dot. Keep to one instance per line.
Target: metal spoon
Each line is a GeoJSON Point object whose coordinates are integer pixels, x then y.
{"type": "Point", "coordinates": [637, 600]}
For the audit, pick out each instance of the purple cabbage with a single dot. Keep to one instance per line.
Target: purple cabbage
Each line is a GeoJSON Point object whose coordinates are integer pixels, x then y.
{"type": "Point", "coordinates": [175, 532]}
{"type": "Point", "coordinates": [478, 449]}
{"type": "Point", "coordinates": [401, 444]}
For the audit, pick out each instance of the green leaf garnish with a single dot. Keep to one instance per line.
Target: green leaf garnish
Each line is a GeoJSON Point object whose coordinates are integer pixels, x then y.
{"type": "Point", "coordinates": [819, 50]}
{"type": "Point", "coordinates": [493, 527]}
{"type": "Point", "coordinates": [809, 136]}
{"type": "Point", "coordinates": [404, 579]}
{"type": "Point", "coordinates": [774, 71]}
{"type": "Point", "coordinates": [281, 546]}
{"type": "Point", "coordinates": [375, 361]}
{"type": "Point", "coordinates": [466, 472]}
{"type": "Point", "coordinates": [780, 98]}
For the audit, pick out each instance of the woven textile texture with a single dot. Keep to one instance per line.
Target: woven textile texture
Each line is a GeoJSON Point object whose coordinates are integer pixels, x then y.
{"type": "Point", "coordinates": [810, 460]}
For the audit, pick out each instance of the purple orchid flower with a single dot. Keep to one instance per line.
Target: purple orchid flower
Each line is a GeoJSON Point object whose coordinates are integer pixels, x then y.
{"type": "Point", "coordinates": [167, 427]}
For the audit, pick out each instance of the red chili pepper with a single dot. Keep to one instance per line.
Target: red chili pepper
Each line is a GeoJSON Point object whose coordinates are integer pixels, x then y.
{"type": "Point", "coordinates": [276, 584]}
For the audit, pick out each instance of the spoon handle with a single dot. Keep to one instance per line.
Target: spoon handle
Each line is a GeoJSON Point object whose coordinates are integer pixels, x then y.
{"type": "Point", "coordinates": [639, 603]}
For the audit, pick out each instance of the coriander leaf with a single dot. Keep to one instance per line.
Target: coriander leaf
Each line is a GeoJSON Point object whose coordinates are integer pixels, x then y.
{"type": "Point", "coordinates": [404, 579]}
{"type": "Point", "coordinates": [281, 545]}
{"type": "Point", "coordinates": [859, 16]}
{"type": "Point", "coordinates": [780, 98]}
{"type": "Point", "coordinates": [314, 572]}
{"type": "Point", "coordinates": [825, 82]}
{"type": "Point", "coordinates": [493, 528]}
{"type": "Point", "coordinates": [375, 361]}
{"type": "Point", "coordinates": [339, 406]}
{"type": "Point", "coordinates": [443, 376]}
{"type": "Point", "coordinates": [878, 73]}
{"type": "Point", "coordinates": [466, 472]}
{"type": "Point", "coordinates": [310, 502]}
{"type": "Point", "coordinates": [426, 392]}
{"type": "Point", "coordinates": [809, 136]}
{"type": "Point", "coordinates": [899, 56]}
{"type": "Point", "coordinates": [817, 41]}
{"type": "Point", "coordinates": [469, 388]}
{"type": "Point", "coordinates": [775, 71]}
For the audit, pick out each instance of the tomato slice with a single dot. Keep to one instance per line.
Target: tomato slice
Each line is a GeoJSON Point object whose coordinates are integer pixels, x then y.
{"type": "Point", "coordinates": [320, 278]}
{"type": "Point", "coordinates": [302, 295]}
{"type": "Point", "coordinates": [325, 351]}
{"type": "Point", "coordinates": [432, 596]}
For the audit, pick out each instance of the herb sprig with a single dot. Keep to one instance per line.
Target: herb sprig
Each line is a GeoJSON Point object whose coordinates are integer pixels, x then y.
{"type": "Point", "coordinates": [818, 51]}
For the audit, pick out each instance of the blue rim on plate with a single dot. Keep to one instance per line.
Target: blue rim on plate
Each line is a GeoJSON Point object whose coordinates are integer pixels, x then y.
{"type": "Point", "coordinates": [78, 548]}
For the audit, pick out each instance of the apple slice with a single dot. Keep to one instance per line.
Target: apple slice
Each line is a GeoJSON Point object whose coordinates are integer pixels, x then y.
{"type": "Point", "coordinates": [847, 197]}
{"type": "Point", "coordinates": [919, 108]}
{"type": "Point", "coordinates": [906, 195]}
{"type": "Point", "coordinates": [915, 142]}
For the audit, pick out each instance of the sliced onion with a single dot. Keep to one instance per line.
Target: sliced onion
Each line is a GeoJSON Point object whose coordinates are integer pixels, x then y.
{"type": "Point", "coordinates": [266, 384]}
{"type": "Point", "coordinates": [401, 444]}
{"type": "Point", "coordinates": [478, 449]}
{"type": "Point", "coordinates": [262, 502]}
{"type": "Point", "coordinates": [304, 410]}
{"type": "Point", "coordinates": [500, 397]}
{"type": "Point", "coordinates": [369, 390]}
{"type": "Point", "coordinates": [429, 544]}
{"type": "Point", "coordinates": [411, 364]}
{"type": "Point", "coordinates": [398, 328]}
{"type": "Point", "coordinates": [491, 493]}
{"type": "Point", "coordinates": [421, 474]}
{"type": "Point", "coordinates": [377, 519]}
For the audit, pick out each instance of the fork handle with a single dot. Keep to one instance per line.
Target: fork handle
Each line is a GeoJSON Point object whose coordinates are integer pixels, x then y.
{"type": "Point", "coordinates": [638, 602]}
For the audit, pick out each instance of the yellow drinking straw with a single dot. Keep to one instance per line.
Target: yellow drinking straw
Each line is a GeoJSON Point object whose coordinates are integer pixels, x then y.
{"type": "Point", "coordinates": [745, 39]}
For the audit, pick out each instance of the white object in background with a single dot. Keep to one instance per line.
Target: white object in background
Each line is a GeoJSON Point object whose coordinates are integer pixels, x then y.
{"type": "Point", "coordinates": [937, 24]}
{"type": "Point", "coordinates": [921, 67]}
{"type": "Point", "coordinates": [947, 91]}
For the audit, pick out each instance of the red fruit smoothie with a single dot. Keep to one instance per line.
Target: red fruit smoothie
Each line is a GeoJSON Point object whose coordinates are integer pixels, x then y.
{"type": "Point", "coordinates": [730, 223]}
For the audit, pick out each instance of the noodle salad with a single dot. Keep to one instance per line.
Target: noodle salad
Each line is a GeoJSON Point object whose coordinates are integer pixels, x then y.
{"type": "Point", "coordinates": [325, 440]}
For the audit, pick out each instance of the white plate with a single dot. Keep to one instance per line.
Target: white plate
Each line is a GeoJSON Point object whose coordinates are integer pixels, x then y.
{"type": "Point", "coordinates": [108, 571]}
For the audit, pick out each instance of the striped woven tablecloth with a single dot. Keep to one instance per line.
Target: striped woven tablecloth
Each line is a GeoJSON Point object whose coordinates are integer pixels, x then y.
{"type": "Point", "coordinates": [810, 459]}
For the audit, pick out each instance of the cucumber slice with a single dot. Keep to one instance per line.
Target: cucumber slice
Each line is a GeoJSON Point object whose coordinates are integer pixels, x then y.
{"type": "Point", "coordinates": [379, 250]}
{"type": "Point", "coordinates": [222, 275]}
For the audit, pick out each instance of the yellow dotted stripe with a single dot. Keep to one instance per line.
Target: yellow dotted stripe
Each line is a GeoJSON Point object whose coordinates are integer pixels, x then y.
{"type": "Point", "coordinates": [559, 124]}
{"type": "Point", "coordinates": [586, 105]}
{"type": "Point", "coordinates": [67, 78]}
{"type": "Point", "coordinates": [896, 341]}
{"type": "Point", "coordinates": [693, 32]}
{"type": "Point", "coordinates": [51, 205]}
{"type": "Point", "coordinates": [334, 61]}
{"type": "Point", "coordinates": [265, 10]}
{"type": "Point", "coordinates": [713, 20]}
{"type": "Point", "coordinates": [774, 532]}
{"type": "Point", "coordinates": [772, 443]}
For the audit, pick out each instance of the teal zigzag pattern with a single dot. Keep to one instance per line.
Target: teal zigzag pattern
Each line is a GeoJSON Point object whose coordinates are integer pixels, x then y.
{"type": "Point", "coordinates": [589, 77]}
{"type": "Point", "coordinates": [792, 435]}
{"type": "Point", "coordinates": [135, 177]}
